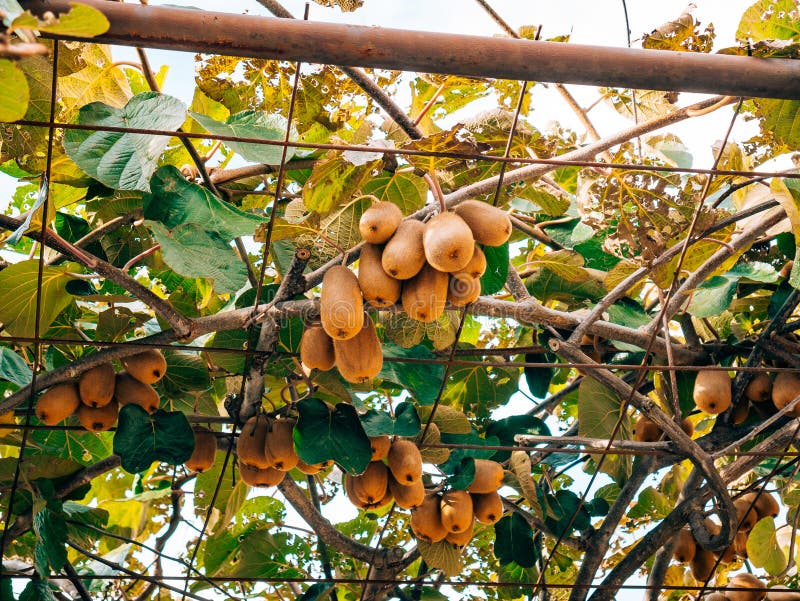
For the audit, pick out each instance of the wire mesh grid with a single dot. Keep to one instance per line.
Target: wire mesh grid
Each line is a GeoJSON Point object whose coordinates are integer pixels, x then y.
{"type": "Point", "coordinates": [571, 357]}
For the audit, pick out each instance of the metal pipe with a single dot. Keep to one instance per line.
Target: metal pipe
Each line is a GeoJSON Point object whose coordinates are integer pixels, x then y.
{"type": "Point", "coordinates": [472, 56]}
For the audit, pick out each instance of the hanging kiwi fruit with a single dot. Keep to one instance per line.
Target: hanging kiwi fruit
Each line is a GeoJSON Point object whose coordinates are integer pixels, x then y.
{"type": "Point", "coordinates": [148, 366]}
{"type": "Point", "coordinates": [488, 507]}
{"type": "Point", "coordinates": [316, 349]}
{"type": "Point", "coordinates": [448, 242]}
{"type": "Point", "coordinates": [360, 358]}
{"type": "Point", "coordinates": [407, 496]}
{"type": "Point", "coordinates": [57, 403]}
{"type": "Point", "coordinates": [785, 389]}
{"type": "Point", "coordinates": [685, 546]}
{"type": "Point", "coordinates": [279, 444]}
{"type": "Point", "coordinates": [205, 450]}
{"type": "Point", "coordinates": [488, 224]}
{"type": "Point", "coordinates": [426, 520]}
{"type": "Point", "coordinates": [425, 295]}
{"type": "Point", "coordinates": [488, 476]}
{"type": "Point", "coordinates": [254, 476]}
{"type": "Point", "coordinates": [380, 447]}
{"type": "Point", "coordinates": [128, 389]}
{"type": "Point", "coordinates": [98, 419]}
{"type": "Point", "coordinates": [404, 255]}
{"type": "Point", "coordinates": [96, 385]}
{"type": "Point", "coordinates": [341, 306]}
{"type": "Point", "coordinates": [378, 287]}
{"type": "Point", "coordinates": [712, 391]}
{"type": "Point", "coordinates": [251, 446]}
{"type": "Point", "coordinates": [759, 389]}
{"type": "Point", "coordinates": [379, 222]}
{"type": "Point", "coordinates": [456, 510]}
{"type": "Point", "coordinates": [405, 461]}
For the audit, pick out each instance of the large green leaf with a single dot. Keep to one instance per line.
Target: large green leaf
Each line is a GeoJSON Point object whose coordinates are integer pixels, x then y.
{"type": "Point", "coordinates": [507, 428]}
{"type": "Point", "coordinates": [763, 549]}
{"type": "Point", "coordinates": [142, 438]}
{"type": "Point", "coordinates": [324, 434]}
{"type": "Point", "coordinates": [252, 124]}
{"type": "Point", "coordinates": [13, 367]}
{"type": "Point", "coordinates": [194, 252]}
{"type": "Point", "coordinates": [443, 556]}
{"type": "Point", "coordinates": [18, 286]}
{"type": "Point", "coordinates": [333, 181]}
{"type": "Point", "coordinates": [496, 274]}
{"type": "Point", "coordinates": [81, 21]}
{"type": "Point", "coordinates": [404, 423]}
{"type": "Point", "coordinates": [514, 541]}
{"type": "Point", "coordinates": [770, 20]}
{"type": "Point", "coordinates": [85, 448]}
{"type": "Point", "coordinates": [38, 590]}
{"type": "Point", "coordinates": [422, 380]}
{"type": "Point", "coordinates": [407, 190]}
{"type": "Point", "coordinates": [14, 93]}
{"type": "Point", "coordinates": [119, 160]}
{"type": "Point", "coordinates": [781, 118]}
{"type": "Point", "coordinates": [478, 389]}
{"type": "Point", "coordinates": [174, 201]}
{"type": "Point", "coordinates": [599, 409]}
{"type": "Point", "coordinates": [51, 539]}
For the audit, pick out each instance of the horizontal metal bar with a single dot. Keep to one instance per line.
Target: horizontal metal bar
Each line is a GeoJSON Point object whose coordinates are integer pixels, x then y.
{"type": "Point", "coordinates": [473, 56]}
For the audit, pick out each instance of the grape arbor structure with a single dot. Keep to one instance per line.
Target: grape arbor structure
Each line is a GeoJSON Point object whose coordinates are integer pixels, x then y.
{"type": "Point", "coordinates": [620, 365]}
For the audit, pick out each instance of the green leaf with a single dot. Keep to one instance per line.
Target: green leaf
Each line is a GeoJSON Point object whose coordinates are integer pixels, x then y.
{"type": "Point", "coordinates": [193, 252]}
{"type": "Point", "coordinates": [763, 549]}
{"type": "Point", "coordinates": [407, 190]}
{"type": "Point", "coordinates": [6, 591]}
{"type": "Point", "coordinates": [38, 590]}
{"type": "Point", "coordinates": [252, 124]}
{"type": "Point", "coordinates": [496, 274]}
{"type": "Point", "coordinates": [519, 464]}
{"type": "Point", "coordinates": [460, 474]}
{"type": "Point", "coordinates": [174, 201]}
{"type": "Point", "coordinates": [769, 20]}
{"type": "Point", "coordinates": [81, 22]}
{"type": "Point", "coordinates": [13, 368]}
{"type": "Point", "coordinates": [599, 409]}
{"type": "Point", "coordinates": [651, 504]}
{"type": "Point", "coordinates": [322, 434]}
{"type": "Point", "coordinates": [14, 93]}
{"type": "Point", "coordinates": [565, 513]}
{"type": "Point", "coordinates": [712, 297]}
{"type": "Point", "coordinates": [442, 556]}
{"type": "Point", "coordinates": [781, 118]}
{"type": "Point", "coordinates": [142, 439]}
{"type": "Point", "coordinates": [124, 161]}
{"type": "Point", "coordinates": [333, 181]}
{"type": "Point", "coordinates": [566, 264]}
{"type": "Point", "coordinates": [422, 380]}
{"type": "Point", "coordinates": [507, 428]}
{"type": "Point", "coordinates": [478, 389]}
{"type": "Point", "coordinates": [448, 419]}
{"type": "Point", "coordinates": [51, 540]}
{"type": "Point", "coordinates": [514, 541]}
{"type": "Point", "coordinates": [405, 423]}
{"type": "Point", "coordinates": [547, 286]}
{"type": "Point", "coordinates": [85, 448]}
{"type": "Point", "coordinates": [18, 285]}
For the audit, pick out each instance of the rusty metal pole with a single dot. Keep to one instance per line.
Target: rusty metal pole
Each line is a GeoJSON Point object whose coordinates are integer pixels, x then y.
{"type": "Point", "coordinates": [356, 46]}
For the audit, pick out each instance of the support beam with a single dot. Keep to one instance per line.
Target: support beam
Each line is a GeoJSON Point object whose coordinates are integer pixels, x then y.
{"type": "Point", "coordinates": [472, 56]}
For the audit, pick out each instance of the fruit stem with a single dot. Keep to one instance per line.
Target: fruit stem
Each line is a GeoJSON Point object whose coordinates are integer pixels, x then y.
{"type": "Point", "coordinates": [436, 190]}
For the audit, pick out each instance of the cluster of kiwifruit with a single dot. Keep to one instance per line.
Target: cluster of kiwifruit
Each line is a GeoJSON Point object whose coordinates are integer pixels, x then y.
{"type": "Point", "coordinates": [712, 393]}
{"type": "Point", "coordinates": [750, 508]}
{"type": "Point", "coordinates": [450, 515]}
{"type": "Point", "coordinates": [97, 395]}
{"type": "Point", "coordinates": [265, 449]}
{"type": "Point", "coordinates": [422, 265]}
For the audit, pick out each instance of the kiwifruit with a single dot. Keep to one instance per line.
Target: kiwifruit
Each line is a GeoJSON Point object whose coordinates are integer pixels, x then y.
{"type": "Point", "coordinates": [128, 389]}
{"type": "Point", "coordinates": [456, 510]}
{"type": "Point", "coordinates": [378, 287]}
{"type": "Point", "coordinates": [57, 403]}
{"type": "Point", "coordinates": [746, 514]}
{"type": "Point", "coordinates": [785, 389]}
{"type": "Point", "coordinates": [280, 444]}
{"type": "Point", "coordinates": [780, 592]}
{"type": "Point", "coordinates": [488, 476]}
{"type": "Point", "coordinates": [407, 496]}
{"type": "Point", "coordinates": [379, 222]}
{"type": "Point", "coordinates": [702, 564]}
{"type": "Point", "coordinates": [712, 391]}
{"type": "Point", "coordinates": [477, 264]}
{"type": "Point", "coordinates": [380, 447]}
{"type": "Point", "coordinates": [746, 581]}
{"type": "Point", "coordinates": [405, 461]}
{"type": "Point", "coordinates": [205, 450]}
{"type": "Point", "coordinates": [403, 256]}
{"type": "Point", "coordinates": [463, 289]}
{"type": "Point", "coordinates": [487, 507]}
{"type": "Point", "coordinates": [359, 359]}
{"type": "Point", "coordinates": [687, 426]}
{"type": "Point", "coordinates": [349, 488]}
{"type": "Point", "coordinates": [716, 596]}
{"type": "Point", "coordinates": [96, 386]}
{"type": "Point", "coordinates": [387, 498]}
{"type": "Point", "coordinates": [759, 389]}
{"type": "Point", "coordinates": [424, 296]}
{"type": "Point", "coordinates": [490, 226]}
{"type": "Point", "coordinates": [646, 430]}
{"type": "Point", "coordinates": [148, 366]}
{"type": "Point", "coordinates": [727, 555]}
{"type": "Point", "coordinates": [371, 486]}
{"type": "Point", "coordinates": [685, 546]}
{"type": "Point", "coordinates": [461, 539]}
{"type": "Point", "coordinates": [764, 504]}
{"type": "Point", "coordinates": [316, 349]}
{"type": "Point", "coordinates": [740, 544]}
{"type": "Point", "coordinates": [251, 447]}
{"type": "Point", "coordinates": [311, 469]}
{"type": "Point", "coordinates": [254, 476]}
{"type": "Point", "coordinates": [740, 412]}
{"type": "Point", "coordinates": [448, 242]}
{"type": "Point", "coordinates": [98, 419]}
{"type": "Point", "coordinates": [426, 520]}
{"type": "Point", "coordinates": [341, 307]}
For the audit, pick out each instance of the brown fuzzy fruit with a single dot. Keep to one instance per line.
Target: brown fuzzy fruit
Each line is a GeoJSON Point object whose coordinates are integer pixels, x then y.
{"type": "Point", "coordinates": [425, 295]}
{"type": "Point", "coordinates": [378, 287]}
{"type": "Point", "coordinates": [488, 476]}
{"type": "Point", "coordinates": [646, 430]}
{"type": "Point", "coordinates": [148, 366]}
{"type": "Point", "coordinates": [746, 581]}
{"type": "Point", "coordinates": [254, 476]}
{"type": "Point", "coordinates": [405, 462]}
{"type": "Point", "coordinates": [251, 447]}
{"type": "Point", "coordinates": [759, 389]}
{"type": "Point", "coordinates": [490, 226]}
{"type": "Point", "coordinates": [740, 412]}
{"type": "Point", "coordinates": [462, 539]}
{"type": "Point", "coordinates": [341, 307]}
{"type": "Point", "coordinates": [205, 450]}
{"type": "Point", "coordinates": [477, 264]}
{"type": "Point", "coordinates": [379, 222]}
{"type": "Point", "coordinates": [740, 544]}
{"type": "Point", "coordinates": [448, 242]}
{"type": "Point", "coordinates": [702, 564]}
{"type": "Point", "coordinates": [687, 426]}
{"type": "Point", "coordinates": [746, 514]}
{"type": "Point", "coordinates": [279, 443]}
{"type": "Point", "coordinates": [96, 386]}
{"type": "Point", "coordinates": [456, 510]}
{"type": "Point", "coordinates": [712, 391]}
{"type": "Point", "coordinates": [785, 389]}
{"type": "Point", "coordinates": [57, 403]}
{"type": "Point", "coordinates": [426, 520]}
{"type": "Point", "coordinates": [685, 546]}
{"type": "Point", "coordinates": [764, 504]}
{"type": "Point", "coordinates": [727, 556]}
{"type": "Point", "coordinates": [128, 389]}
{"type": "Point", "coordinates": [407, 497]}
{"type": "Point", "coordinates": [487, 507]}
{"type": "Point", "coordinates": [380, 447]}
{"type": "Point", "coordinates": [360, 358]}
{"type": "Point", "coordinates": [403, 256]}
{"type": "Point", "coordinates": [316, 349]}
{"type": "Point", "coordinates": [311, 469]}
{"type": "Point", "coordinates": [98, 419]}
{"type": "Point", "coordinates": [371, 486]}
{"type": "Point", "coordinates": [463, 289]}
